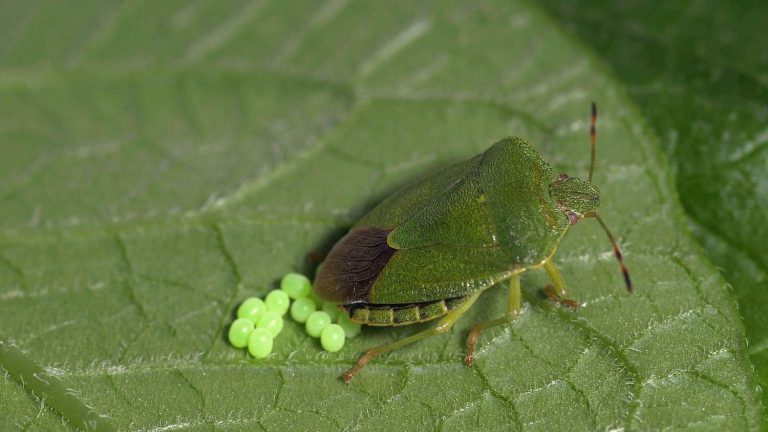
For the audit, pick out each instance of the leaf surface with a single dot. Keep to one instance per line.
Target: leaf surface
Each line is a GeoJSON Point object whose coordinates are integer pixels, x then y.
{"type": "Point", "coordinates": [700, 79]}
{"type": "Point", "coordinates": [162, 162]}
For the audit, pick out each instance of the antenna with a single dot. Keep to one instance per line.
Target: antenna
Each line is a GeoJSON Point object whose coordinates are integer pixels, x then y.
{"type": "Point", "coordinates": [616, 250]}
{"type": "Point", "coordinates": [593, 138]}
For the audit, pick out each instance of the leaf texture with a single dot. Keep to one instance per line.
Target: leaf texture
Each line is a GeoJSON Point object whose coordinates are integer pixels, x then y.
{"type": "Point", "coordinates": [161, 162]}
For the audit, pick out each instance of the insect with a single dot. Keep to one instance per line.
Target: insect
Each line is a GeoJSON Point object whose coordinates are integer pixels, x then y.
{"type": "Point", "coordinates": [429, 250]}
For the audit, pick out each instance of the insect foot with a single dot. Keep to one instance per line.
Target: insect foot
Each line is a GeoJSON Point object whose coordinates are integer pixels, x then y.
{"type": "Point", "coordinates": [553, 296]}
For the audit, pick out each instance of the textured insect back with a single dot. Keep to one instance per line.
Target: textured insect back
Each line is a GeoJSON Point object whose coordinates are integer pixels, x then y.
{"type": "Point", "coordinates": [527, 221]}
{"type": "Point", "coordinates": [429, 250]}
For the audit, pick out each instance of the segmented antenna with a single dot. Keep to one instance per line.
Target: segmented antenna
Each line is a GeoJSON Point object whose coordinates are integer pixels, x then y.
{"type": "Point", "coordinates": [593, 138]}
{"type": "Point", "coordinates": [616, 250]}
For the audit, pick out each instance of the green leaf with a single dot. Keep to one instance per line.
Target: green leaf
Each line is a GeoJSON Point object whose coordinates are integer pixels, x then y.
{"type": "Point", "coordinates": [700, 78]}
{"type": "Point", "coordinates": [161, 162]}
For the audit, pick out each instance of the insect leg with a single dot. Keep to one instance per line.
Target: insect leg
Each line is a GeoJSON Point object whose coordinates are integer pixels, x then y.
{"type": "Point", "coordinates": [556, 290]}
{"type": "Point", "coordinates": [442, 326]}
{"type": "Point", "coordinates": [512, 314]}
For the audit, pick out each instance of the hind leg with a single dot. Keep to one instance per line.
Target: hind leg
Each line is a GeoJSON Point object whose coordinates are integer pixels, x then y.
{"type": "Point", "coordinates": [442, 326]}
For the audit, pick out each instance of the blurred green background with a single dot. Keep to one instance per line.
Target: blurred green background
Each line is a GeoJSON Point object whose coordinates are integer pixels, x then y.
{"type": "Point", "coordinates": [162, 161]}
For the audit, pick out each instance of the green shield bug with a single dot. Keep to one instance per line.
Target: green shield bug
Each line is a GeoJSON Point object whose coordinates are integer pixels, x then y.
{"type": "Point", "coordinates": [429, 250]}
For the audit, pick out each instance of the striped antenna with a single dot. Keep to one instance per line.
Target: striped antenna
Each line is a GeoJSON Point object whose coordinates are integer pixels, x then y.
{"type": "Point", "coordinates": [616, 250]}
{"type": "Point", "coordinates": [593, 138]}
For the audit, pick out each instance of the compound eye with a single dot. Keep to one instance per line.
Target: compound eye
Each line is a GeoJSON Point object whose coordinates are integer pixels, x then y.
{"type": "Point", "coordinates": [573, 217]}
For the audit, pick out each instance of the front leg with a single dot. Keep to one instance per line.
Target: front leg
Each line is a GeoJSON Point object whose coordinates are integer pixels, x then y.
{"type": "Point", "coordinates": [556, 290]}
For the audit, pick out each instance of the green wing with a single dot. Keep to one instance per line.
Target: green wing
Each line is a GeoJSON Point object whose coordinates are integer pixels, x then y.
{"type": "Point", "coordinates": [443, 237]}
{"type": "Point", "coordinates": [500, 197]}
{"type": "Point", "coordinates": [447, 208]}
{"type": "Point", "coordinates": [403, 205]}
{"type": "Point", "coordinates": [438, 272]}
{"type": "Point", "coordinates": [468, 226]}
{"type": "Point", "coordinates": [459, 216]}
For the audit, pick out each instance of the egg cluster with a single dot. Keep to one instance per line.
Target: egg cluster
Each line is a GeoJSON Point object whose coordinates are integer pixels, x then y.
{"type": "Point", "coordinates": [260, 321]}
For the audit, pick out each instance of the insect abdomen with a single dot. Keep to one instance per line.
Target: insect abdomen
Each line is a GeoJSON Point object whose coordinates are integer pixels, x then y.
{"type": "Point", "coordinates": [397, 315]}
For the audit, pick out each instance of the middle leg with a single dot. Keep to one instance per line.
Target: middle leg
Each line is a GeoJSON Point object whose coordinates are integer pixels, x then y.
{"type": "Point", "coordinates": [512, 314]}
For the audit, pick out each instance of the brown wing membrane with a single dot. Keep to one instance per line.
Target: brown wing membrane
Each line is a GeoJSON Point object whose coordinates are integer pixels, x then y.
{"type": "Point", "coordinates": [353, 265]}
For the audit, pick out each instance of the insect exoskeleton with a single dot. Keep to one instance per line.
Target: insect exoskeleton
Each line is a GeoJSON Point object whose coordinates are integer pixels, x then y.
{"type": "Point", "coordinates": [430, 249]}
